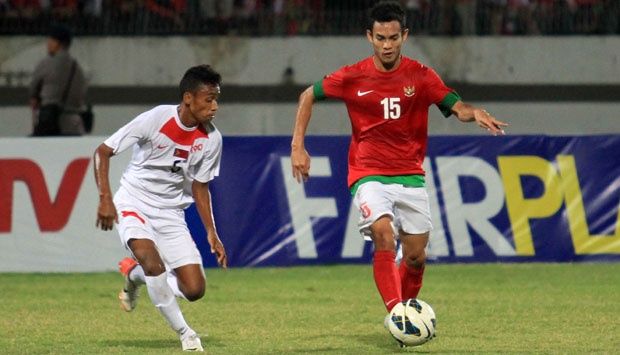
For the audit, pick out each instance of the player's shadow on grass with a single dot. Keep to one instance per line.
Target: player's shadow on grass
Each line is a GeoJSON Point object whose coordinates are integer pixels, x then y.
{"type": "Point", "coordinates": [170, 343]}
{"type": "Point", "coordinates": [385, 344]}
{"type": "Point", "coordinates": [144, 343]}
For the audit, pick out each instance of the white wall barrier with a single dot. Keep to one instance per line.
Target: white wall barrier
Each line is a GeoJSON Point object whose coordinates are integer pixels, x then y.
{"type": "Point", "coordinates": [48, 206]}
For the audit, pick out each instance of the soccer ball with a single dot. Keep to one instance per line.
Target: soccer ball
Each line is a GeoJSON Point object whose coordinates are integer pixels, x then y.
{"type": "Point", "coordinates": [411, 322]}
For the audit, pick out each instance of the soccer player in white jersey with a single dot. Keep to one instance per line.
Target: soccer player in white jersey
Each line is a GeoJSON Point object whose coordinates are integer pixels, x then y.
{"type": "Point", "coordinates": [176, 152]}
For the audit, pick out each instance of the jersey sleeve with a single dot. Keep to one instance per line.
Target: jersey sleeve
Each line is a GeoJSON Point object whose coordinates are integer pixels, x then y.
{"type": "Point", "coordinates": [136, 131]}
{"type": "Point", "coordinates": [331, 86]}
{"type": "Point", "coordinates": [438, 93]}
{"type": "Point", "coordinates": [209, 167]}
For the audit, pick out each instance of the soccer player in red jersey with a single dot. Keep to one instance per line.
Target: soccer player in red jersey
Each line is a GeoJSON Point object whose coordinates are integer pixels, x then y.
{"type": "Point", "coordinates": [387, 97]}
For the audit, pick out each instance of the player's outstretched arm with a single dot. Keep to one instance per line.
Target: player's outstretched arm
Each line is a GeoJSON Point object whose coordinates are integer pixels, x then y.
{"type": "Point", "coordinates": [202, 197]}
{"type": "Point", "coordinates": [300, 159]}
{"type": "Point", "coordinates": [468, 113]}
{"type": "Point", "coordinates": [106, 212]}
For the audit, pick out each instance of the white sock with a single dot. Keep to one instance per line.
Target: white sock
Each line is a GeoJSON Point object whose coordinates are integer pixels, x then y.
{"type": "Point", "coordinates": [173, 282]}
{"type": "Point", "coordinates": [163, 298]}
{"type": "Point", "coordinates": [136, 275]}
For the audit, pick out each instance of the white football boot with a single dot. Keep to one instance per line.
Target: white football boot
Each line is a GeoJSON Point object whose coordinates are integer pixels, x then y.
{"type": "Point", "coordinates": [129, 294]}
{"type": "Point", "coordinates": [191, 343]}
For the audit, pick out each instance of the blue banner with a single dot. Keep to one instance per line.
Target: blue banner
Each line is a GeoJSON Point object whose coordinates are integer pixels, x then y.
{"type": "Point", "coordinates": [510, 198]}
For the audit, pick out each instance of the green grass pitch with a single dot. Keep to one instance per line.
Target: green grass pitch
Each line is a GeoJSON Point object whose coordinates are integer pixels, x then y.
{"type": "Point", "coordinates": [481, 309]}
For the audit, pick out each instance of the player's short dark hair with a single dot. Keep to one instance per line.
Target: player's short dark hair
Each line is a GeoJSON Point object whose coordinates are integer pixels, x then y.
{"type": "Point", "coordinates": [386, 11]}
{"type": "Point", "coordinates": [197, 76]}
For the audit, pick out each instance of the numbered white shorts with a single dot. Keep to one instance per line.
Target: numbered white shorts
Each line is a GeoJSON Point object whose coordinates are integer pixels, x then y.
{"type": "Point", "coordinates": [165, 227]}
{"type": "Point", "coordinates": [408, 207]}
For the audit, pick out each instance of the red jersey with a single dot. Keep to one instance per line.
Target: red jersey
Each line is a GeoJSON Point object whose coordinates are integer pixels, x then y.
{"type": "Point", "coordinates": [388, 113]}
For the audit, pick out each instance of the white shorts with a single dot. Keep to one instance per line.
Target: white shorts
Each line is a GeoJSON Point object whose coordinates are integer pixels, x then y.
{"type": "Point", "coordinates": [408, 207]}
{"type": "Point", "coordinates": [165, 227]}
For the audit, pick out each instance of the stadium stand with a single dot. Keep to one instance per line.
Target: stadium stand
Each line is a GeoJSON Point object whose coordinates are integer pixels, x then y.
{"type": "Point", "coordinates": [307, 17]}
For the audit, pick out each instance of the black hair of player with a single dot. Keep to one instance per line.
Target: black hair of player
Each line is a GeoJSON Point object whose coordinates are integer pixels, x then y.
{"type": "Point", "coordinates": [386, 11]}
{"type": "Point", "coordinates": [197, 76]}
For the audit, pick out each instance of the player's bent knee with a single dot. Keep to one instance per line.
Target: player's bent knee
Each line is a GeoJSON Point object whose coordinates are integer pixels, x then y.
{"type": "Point", "coordinates": [416, 260]}
{"type": "Point", "coordinates": [194, 294]}
{"type": "Point", "coordinates": [146, 253]}
{"type": "Point", "coordinates": [193, 289]}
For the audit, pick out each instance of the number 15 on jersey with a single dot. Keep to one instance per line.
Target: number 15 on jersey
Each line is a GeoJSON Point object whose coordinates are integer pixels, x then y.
{"type": "Point", "coordinates": [391, 108]}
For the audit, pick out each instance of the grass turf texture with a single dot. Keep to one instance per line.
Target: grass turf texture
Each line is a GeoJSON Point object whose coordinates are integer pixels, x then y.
{"type": "Point", "coordinates": [491, 308]}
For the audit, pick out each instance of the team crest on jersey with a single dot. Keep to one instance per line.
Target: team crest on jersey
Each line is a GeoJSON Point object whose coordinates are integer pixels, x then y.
{"type": "Point", "coordinates": [181, 153]}
{"type": "Point", "coordinates": [409, 90]}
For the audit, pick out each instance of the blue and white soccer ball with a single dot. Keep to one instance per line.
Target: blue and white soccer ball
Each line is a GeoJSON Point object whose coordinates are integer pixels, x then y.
{"type": "Point", "coordinates": [411, 322]}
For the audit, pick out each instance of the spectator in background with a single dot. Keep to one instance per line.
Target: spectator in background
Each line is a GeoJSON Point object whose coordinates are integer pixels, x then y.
{"type": "Point", "coordinates": [322, 17]}
{"type": "Point", "coordinates": [586, 15]}
{"type": "Point", "coordinates": [610, 20]}
{"type": "Point", "coordinates": [298, 16]}
{"type": "Point", "coordinates": [7, 10]}
{"type": "Point", "coordinates": [92, 8]}
{"type": "Point", "coordinates": [496, 16]}
{"type": "Point", "coordinates": [17, 16]}
{"type": "Point", "coordinates": [58, 89]}
{"type": "Point", "coordinates": [89, 18]}
{"type": "Point", "coordinates": [564, 15]}
{"type": "Point", "coordinates": [317, 16]}
{"type": "Point", "coordinates": [246, 17]}
{"type": "Point", "coordinates": [278, 15]}
{"type": "Point", "coordinates": [445, 20]}
{"type": "Point", "coordinates": [27, 9]}
{"type": "Point", "coordinates": [466, 11]}
{"type": "Point", "coordinates": [543, 14]}
{"type": "Point", "coordinates": [127, 15]}
{"type": "Point", "coordinates": [293, 17]}
{"type": "Point", "coordinates": [166, 13]}
{"type": "Point", "coordinates": [64, 9]}
{"type": "Point", "coordinates": [218, 14]}
{"type": "Point", "coordinates": [484, 14]}
{"type": "Point", "coordinates": [519, 18]}
{"type": "Point", "coordinates": [415, 11]}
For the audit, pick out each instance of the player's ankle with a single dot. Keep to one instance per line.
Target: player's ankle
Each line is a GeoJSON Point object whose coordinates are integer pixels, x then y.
{"type": "Point", "coordinates": [186, 332]}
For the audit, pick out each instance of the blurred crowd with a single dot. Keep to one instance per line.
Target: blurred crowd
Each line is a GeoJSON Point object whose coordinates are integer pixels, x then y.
{"type": "Point", "coordinates": [308, 17]}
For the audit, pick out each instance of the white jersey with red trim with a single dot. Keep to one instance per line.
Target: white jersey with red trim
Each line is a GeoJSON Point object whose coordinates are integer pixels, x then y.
{"type": "Point", "coordinates": [167, 156]}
